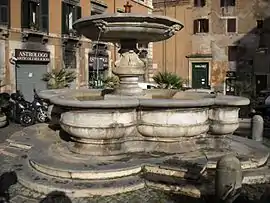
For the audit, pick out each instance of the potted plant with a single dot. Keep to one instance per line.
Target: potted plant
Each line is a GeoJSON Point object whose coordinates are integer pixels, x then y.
{"type": "Point", "coordinates": [111, 82]}
{"type": "Point", "coordinates": [59, 79]}
{"type": "Point", "coordinates": [167, 80]}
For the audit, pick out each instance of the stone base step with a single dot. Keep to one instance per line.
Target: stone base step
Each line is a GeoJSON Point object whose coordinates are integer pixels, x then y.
{"type": "Point", "coordinates": [44, 184]}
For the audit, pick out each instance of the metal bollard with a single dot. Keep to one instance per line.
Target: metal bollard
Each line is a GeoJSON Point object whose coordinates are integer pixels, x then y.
{"type": "Point", "coordinates": [257, 128]}
{"type": "Point", "coordinates": [228, 180]}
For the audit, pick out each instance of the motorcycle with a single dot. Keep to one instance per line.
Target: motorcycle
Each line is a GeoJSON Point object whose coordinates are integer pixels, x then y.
{"type": "Point", "coordinates": [19, 110]}
{"type": "Point", "coordinates": [41, 108]}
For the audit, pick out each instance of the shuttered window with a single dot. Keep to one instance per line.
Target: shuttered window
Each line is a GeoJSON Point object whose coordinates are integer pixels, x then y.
{"type": "Point", "coordinates": [44, 16]}
{"type": "Point", "coordinates": [4, 12]}
{"type": "Point", "coordinates": [226, 3]}
{"type": "Point", "coordinates": [199, 3]}
{"type": "Point", "coordinates": [70, 13]}
{"type": "Point", "coordinates": [231, 25]}
{"type": "Point", "coordinates": [35, 15]}
{"type": "Point", "coordinates": [201, 26]}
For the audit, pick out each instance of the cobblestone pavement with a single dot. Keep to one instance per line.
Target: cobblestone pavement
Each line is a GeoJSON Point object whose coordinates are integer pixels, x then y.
{"type": "Point", "coordinates": [9, 130]}
{"type": "Point", "coordinates": [20, 194]}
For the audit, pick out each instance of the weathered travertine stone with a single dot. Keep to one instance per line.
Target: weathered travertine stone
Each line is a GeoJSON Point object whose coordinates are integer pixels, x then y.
{"type": "Point", "coordinates": [97, 132]}
{"type": "Point", "coordinates": [228, 181]}
{"type": "Point", "coordinates": [173, 123]}
{"type": "Point", "coordinates": [224, 120]}
{"type": "Point", "coordinates": [128, 68]}
{"type": "Point", "coordinates": [257, 128]}
{"type": "Point", "coordinates": [3, 120]}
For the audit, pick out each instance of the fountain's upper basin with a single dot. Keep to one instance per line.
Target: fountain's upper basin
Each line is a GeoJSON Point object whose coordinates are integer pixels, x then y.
{"type": "Point", "coordinates": [163, 98]}
{"type": "Point", "coordinates": [127, 26]}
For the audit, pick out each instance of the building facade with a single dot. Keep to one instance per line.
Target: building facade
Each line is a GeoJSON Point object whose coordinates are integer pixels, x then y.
{"type": "Point", "coordinates": [36, 36]}
{"type": "Point", "coordinates": [221, 43]}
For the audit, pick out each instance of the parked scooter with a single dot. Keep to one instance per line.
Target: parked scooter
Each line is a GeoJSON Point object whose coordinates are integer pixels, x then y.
{"type": "Point", "coordinates": [41, 108]}
{"type": "Point", "coordinates": [19, 110]}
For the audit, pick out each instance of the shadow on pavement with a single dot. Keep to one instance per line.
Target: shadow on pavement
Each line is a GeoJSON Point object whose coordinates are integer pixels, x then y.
{"type": "Point", "coordinates": [7, 179]}
{"type": "Point", "coordinates": [56, 197]}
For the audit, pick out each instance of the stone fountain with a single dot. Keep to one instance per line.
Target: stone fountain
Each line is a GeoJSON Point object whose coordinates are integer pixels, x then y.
{"type": "Point", "coordinates": [130, 138]}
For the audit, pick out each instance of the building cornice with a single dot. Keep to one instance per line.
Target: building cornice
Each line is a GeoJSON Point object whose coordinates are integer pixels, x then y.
{"type": "Point", "coordinates": [170, 3]}
{"type": "Point", "coordinates": [143, 4]}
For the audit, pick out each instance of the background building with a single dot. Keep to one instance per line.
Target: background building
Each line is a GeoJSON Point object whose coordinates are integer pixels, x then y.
{"type": "Point", "coordinates": [39, 34]}
{"type": "Point", "coordinates": [223, 43]}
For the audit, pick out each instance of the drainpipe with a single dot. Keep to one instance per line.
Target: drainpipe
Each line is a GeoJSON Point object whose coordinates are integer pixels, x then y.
{"type": "Point", "coordinates": [175, 44]}
{"type": "Point", "coordinates": [114, 48]}
{"type": "Point", "coordinates": [164, 42]}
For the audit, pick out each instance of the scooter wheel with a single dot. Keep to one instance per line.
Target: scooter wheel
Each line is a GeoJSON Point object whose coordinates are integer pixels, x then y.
{"type": "Point", "coordinates": [27, 118]}
{"type": "Point", "coordinates": [41, 117]}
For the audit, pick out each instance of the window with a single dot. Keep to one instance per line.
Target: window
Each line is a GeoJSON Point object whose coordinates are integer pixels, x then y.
{"type": "Point", "coordinates": [259, 24]}
{"type": "Point", "coordinates": [226, 3]}
{"type": "Point", "coordinates": [231, 25]}
{"type": "Point", "coordinates": [201, 26]}
{"type": "Point", "coordinates": [199, 3]}
{"type": "Point", "coordinates": [4, 12]}
{"type": "Point", "coordinates": [232, 53]}
{"type": "Point", "coordinates": [70, 13]}
{"type": "Point", "coordinates": [35, 15]}
{"type": "Point", "coordinates": [97, 8]}
{"type": "Point", "coordinates": [70, 58]}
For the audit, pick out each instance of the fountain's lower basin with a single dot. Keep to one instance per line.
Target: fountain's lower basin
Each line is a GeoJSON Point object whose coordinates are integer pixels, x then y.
{"type": "Point", "coordinates": [98, 125]}
{"type": "Point", "coordinates": [119, 144]}
{"type": "Point", "coordinates": [46, 164]}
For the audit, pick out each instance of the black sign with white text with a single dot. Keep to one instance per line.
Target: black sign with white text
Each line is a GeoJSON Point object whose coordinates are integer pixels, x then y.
{"type": "Point", "coordinates": [31, 55]}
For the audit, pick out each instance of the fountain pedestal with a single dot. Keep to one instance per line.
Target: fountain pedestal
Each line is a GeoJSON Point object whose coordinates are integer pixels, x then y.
{"type": "Point", "coordinates": [128, 68]}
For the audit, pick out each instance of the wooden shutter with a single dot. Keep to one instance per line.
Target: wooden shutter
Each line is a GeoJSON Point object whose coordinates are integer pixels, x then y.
{"type": "Point", "coordinates": [195, 26]}
{"type": "Point", "coordinates": [64, 18]}
{"type": "Point", "coordinates": [25, 14]}
{"type": "Point", "coordinates": [44, 16]}
{"type": "Point", "coordinates": [222, 3]}
{"type": "Point", "coordinates": [4, 12]}
{"type": "Point", "coordinates": [231, 25]}
{"type": "Point", "coordinates": [77, 13]}
{"type": "Point", "coordinates": [206, 25]}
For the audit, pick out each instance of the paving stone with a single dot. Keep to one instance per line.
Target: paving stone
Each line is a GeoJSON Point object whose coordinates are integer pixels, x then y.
{"type": "Point", "coordinates": [20, 194]}
{"type": "Point", "coordinates": [23, 199]}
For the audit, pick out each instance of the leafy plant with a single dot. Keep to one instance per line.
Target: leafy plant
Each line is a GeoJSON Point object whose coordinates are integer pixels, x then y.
{"type": "Point", "coordinates": [58, 79]}
{"type": "Point", "coordinates": [111, 82]}
{"type": "Point", "coordinates": [167, 80]}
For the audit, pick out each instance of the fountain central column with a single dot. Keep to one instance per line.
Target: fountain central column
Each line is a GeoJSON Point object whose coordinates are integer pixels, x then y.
{"type": "Point", "coordinates": [129, 68]}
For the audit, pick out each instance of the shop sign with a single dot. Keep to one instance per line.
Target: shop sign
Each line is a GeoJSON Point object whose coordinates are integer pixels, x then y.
{"type": "Point", "coordinates": [31, 55]}
{"type": "Point", "coordinates": [99, 62]}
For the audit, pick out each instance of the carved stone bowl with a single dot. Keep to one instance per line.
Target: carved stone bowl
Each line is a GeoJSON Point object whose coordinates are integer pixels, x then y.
{"type": "Point", "coordinates": [127, 26]}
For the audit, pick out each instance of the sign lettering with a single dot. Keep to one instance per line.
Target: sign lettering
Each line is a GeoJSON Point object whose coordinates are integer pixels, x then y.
{"type": "Point", "coordinates": [30, 55]}
{"type": "Point", "coordinates": [98, 62]}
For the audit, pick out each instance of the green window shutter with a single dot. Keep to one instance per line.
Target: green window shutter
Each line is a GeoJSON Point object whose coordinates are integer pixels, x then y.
{"type": "Point", "coordinates": [4, 12]}
{"type": "Point", "coordinates": [25, 14]}
{"type": "Point", "coordinates": [44, 15]}
{"type": "Point", "coordinates": [64, 18]}
{"type": "Point", "coordinates": [77, 13]}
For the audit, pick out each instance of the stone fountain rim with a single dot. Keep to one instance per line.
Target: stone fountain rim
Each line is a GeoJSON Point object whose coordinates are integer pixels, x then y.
{"type": "Point", "coordinates": [127, 16]}
{"type": "Point", "coordinates": [58, 97]}
{"type": "Point", "coordinates": [133, 103]}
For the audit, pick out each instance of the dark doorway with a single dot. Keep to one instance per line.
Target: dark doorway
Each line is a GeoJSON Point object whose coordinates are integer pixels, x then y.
{"type": "Point", "coordinates": [261, 83]}
{"type": "Point", "coordinates": [200, 75]}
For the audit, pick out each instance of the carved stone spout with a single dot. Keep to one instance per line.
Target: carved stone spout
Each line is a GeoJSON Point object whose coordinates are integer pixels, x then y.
{"type": "Point", "coordinates": [128, 68]}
